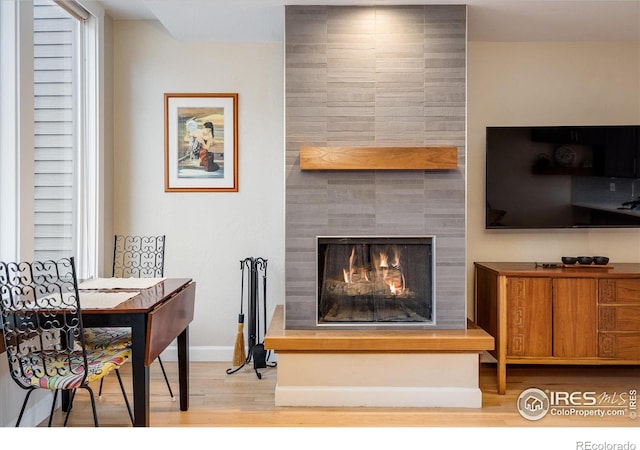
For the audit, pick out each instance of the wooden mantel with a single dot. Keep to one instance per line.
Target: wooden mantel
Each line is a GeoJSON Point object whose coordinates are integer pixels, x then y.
{"type": "Point", "coordinates": [378, 158]}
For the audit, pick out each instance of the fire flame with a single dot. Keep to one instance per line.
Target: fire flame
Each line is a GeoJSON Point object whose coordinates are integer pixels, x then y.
{"type": "Point", "coordinates": [396, 258]}
{"type": "Point", "coordinates": [382, 267]}
{"type": "Point", "coordinates": [384, 260]}
{"type": "Point", "coordinates": [348, 276]}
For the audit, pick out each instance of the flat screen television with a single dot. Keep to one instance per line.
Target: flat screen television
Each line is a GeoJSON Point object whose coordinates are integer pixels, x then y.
{"type": "Point", "coordinates": [562, 177]}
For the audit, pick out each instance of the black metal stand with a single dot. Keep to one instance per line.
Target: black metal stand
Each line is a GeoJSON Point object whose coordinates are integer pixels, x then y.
{"type": "Point", "coordinates": [252, 269]}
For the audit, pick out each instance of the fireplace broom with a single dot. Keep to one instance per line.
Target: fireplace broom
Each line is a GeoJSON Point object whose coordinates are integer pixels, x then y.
{"type": "Point", "coordinates": [239, 352]}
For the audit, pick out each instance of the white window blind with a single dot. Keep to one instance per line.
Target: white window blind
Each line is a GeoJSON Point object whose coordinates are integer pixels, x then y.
{"type": "Point", "coordinates": [55, 135]}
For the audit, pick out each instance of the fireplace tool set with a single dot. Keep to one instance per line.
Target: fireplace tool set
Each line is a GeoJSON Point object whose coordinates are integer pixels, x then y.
{"type": "Point", "coordinates": [253, 269]}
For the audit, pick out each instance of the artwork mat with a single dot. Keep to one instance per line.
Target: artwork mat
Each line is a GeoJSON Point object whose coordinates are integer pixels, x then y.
{"type": "Point", "coordinates": [178, 177]}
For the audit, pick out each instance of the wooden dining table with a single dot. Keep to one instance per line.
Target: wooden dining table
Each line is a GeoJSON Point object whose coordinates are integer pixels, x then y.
{"type": "Point", "coordinates": [157, 315]}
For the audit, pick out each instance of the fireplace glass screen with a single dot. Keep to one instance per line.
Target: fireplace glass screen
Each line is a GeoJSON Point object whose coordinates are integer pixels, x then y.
{"type": "Point", "coordinates": [381, 280]}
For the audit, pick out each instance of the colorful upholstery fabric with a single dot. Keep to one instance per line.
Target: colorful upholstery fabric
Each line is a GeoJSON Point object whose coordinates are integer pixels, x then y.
{"type": "Point", "coordinates": [65, 370]}
{"type": "Point", "coordinates": [42, 329]}
{"type": "Point", "coordinates": [107, 337]}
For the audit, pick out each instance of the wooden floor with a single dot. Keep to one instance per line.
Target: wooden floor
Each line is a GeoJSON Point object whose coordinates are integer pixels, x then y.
{"type": "Point", "coordinates": [242, 400]}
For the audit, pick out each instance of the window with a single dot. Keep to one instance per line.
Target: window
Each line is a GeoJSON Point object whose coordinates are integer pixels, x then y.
{"type": "Point", "coordinates": [51, 144]}
{"type": "Point", "coordinates": [56, 125]}
{"type": "Point", "coordinates": [65, 133]}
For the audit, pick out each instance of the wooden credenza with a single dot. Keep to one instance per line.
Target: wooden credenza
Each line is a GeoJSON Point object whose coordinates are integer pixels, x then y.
{"type": "Point", "coordinates": [560, 315]}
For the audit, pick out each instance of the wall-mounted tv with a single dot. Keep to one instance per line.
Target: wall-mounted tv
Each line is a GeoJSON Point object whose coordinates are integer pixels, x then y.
{"type": "Point", "coordinates": [563, 177]}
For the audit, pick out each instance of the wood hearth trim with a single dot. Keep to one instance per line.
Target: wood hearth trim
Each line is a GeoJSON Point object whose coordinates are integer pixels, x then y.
{"type": "Point", "coordinates": [378, 158]}
{"type": "Point", "coordinates": [472, 339]}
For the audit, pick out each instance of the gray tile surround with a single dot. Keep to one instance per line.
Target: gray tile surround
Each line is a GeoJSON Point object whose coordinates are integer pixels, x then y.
{"type": "Point", "coordinates": [375, 76]}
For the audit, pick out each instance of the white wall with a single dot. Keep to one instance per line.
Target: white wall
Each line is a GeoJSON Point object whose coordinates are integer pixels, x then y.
{"type": "Point", "coordinates": [545, 84]}
{"type": "Point", "coordinates": [207, 233]}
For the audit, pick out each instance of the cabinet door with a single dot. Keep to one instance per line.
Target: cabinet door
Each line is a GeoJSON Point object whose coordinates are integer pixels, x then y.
{"type": "Point", "coordinates": [575, 317]}
{"type": "Point", "coordinates": [529, 317]}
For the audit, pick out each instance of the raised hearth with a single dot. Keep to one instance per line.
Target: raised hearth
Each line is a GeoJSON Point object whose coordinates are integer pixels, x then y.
{"type": "Point", "coordinates": [337, 367]}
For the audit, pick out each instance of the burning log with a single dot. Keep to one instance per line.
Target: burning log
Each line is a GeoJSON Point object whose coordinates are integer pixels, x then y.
{"type": "Point", "coordinates": [391, 285]}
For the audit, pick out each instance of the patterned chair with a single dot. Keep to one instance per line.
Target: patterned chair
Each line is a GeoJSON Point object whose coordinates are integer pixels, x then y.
{"type": "Point", "coordinates": [44, 336]}
{"type": "Point", "coordinates": [137, 257]}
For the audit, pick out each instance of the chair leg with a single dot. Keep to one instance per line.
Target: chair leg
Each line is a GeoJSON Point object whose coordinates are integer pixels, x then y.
{"type": "Point", "coordinates": [71, 397]}
{"type": "Point", "coordinates": [100, 390]}
{"type": "Point", "coordinates": [124, 394]}
{"type": "Point", "coordinates": [166, 379]}
{"type": "Point", "coordinates": [24, 405]}
{"type": "Point", "coordinates": [93, 405]}
{"type": "Point", "coordinates": [53, 407]}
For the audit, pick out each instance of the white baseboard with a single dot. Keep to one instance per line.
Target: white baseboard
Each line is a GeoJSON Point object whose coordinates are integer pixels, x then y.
{"type": "Point", "coordinates": [372, 396]}
{"type": "Point", "coordinates": [205, 354]}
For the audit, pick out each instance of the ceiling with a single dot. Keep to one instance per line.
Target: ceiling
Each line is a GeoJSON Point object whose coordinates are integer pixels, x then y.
{"type": "Point", "coordinates": [488, 20]}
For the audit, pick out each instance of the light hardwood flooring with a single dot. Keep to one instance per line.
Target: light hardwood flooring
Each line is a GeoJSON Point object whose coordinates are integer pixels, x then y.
{"type": "Point", "coordinates": [242, 400]}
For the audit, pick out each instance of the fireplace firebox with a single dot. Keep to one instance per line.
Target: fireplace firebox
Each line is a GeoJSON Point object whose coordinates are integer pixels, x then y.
{"type": "Point", "coordinates": [375, 281]}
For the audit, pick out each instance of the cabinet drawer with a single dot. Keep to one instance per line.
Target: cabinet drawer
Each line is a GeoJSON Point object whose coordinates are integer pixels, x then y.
{"type": "Point", "coordinates": [619, 345]}
{"type": "Point", "coordinates": [619, 318]}
{"type": "Point", "coordinates": [619, 291]}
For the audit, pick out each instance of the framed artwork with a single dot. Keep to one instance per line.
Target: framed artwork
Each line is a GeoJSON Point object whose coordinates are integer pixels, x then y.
{"type": "Point", "coordinates": [201, 142]}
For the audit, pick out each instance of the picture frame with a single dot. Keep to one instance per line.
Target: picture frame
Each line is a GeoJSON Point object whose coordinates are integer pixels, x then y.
{"type": "Point", "coordinates": [201, 142]}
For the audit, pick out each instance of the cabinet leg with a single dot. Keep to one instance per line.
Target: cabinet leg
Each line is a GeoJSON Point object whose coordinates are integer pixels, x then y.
{"type": "Point", "coordinates": [502, 377]}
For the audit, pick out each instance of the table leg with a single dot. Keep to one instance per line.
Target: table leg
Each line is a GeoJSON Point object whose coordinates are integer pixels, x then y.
{"type": "Point", "coordinates": [183, 368]}
{"type": "Point", "coordinates": [140, 372]}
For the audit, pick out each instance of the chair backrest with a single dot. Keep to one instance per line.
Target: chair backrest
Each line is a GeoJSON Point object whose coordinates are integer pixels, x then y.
{"type": "Point", "coordinates": [138, 256]}
{"type": "Point", "coordinates": [42, 322]}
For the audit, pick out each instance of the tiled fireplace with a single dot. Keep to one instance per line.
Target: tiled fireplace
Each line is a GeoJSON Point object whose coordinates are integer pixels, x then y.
{"type": "Point", "coordinates": [376, 77]}
{"type": "Point", "coordinates": [359, 311]}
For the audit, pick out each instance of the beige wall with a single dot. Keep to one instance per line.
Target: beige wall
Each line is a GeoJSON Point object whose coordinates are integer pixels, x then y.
{"type": "Point", "coordinates": [545, 84]}
{"type": "Point", "coordinates": [207, 233]}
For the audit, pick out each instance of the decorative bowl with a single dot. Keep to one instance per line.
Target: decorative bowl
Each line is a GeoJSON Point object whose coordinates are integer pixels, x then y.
{"type": "Point", "coordinates": [600, 260]}
{"type": "Point", "coordinates": [569, 260]}
{"type": "Point", "coordinates": [585, 259]}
